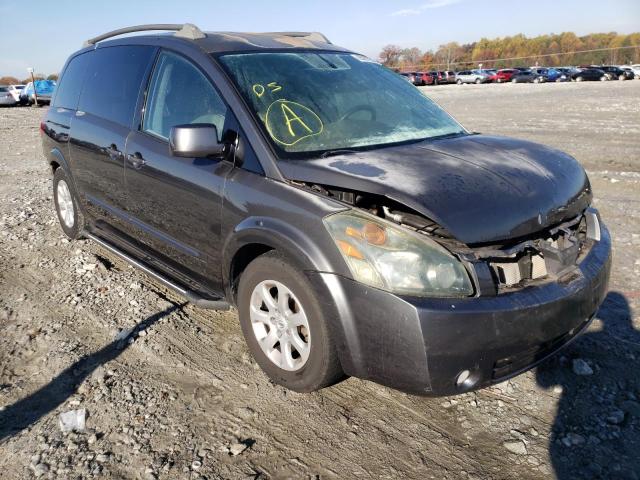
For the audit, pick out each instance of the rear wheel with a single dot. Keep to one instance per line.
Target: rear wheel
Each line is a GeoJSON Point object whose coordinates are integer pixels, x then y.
{"type": "Point", "coordinates": [284, 325]}
{"type": "Point", "coordinates": [622, 77]}
{"type": "Point", "coordinates": [478, 81]}
{"type": "Point", "coordinates": [67, 206]}
{"type": "Point", "coordinates": [604, 78]}
{"type": "Point", "coordinates": [536, 80]}
{"type": "Point", "coordinates": [459, 82]}
{"type": "Point", "coordinates": [513, 80]}
{"type": "Point", "coordinates": [579, 79]}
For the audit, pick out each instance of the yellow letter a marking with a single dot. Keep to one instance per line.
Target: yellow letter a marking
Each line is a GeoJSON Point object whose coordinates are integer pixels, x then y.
{"type": "Point", "coordinates": [290, 117]}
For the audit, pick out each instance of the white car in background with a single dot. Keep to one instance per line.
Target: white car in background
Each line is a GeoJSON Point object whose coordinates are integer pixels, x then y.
{"type": "Point", "coordinates": [6, 98]}
{"type": "Point", "coordinates": [15, 91]}
{"type": "Point", "coordinates": [635, 68]}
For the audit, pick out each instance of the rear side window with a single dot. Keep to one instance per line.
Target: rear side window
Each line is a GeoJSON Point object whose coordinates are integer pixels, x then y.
{"type": "Point", "coordinates": [70, 86]}
{"type": "Point", "coordinates": [180, 94]}
{"type": "Point", "coordinates": [113, 82]}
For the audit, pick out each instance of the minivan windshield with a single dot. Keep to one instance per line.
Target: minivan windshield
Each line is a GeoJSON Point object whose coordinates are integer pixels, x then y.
{"type": "Point", "coordinates": [310, 103]}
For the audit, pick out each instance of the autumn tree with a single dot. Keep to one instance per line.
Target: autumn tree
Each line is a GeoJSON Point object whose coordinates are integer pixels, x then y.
{"type": "Point", "coordinates": [390, 55]}
{"type": "Point", "coordinates": [9, 80]}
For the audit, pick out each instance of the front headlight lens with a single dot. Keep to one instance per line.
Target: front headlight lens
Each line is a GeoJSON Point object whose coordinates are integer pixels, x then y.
{"type": "Point", "coordinates": [383, 255]}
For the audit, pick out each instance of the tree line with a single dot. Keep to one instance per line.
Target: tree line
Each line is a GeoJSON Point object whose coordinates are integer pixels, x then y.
{"type": "Point", "coordinates": [548, 50]}
{"type": "Point", "coordinates": [9, 80]}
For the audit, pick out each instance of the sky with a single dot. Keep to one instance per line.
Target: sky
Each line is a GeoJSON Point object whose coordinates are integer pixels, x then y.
{"type": "Point", "coordinates": [43, 40]}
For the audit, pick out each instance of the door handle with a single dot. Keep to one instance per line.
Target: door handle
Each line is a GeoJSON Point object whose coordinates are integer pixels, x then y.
{"type": "Point", "coordinates": [136, 160]}
{"type": "Point", "coordinates": [113, 152]}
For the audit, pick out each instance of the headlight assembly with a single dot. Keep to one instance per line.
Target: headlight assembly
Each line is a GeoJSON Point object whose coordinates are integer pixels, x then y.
{"type": "Point", "coordinates": [386, 256]}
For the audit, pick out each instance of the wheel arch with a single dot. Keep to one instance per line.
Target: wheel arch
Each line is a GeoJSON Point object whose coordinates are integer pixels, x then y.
{"type": "Point", "coordinates": [257, 235]}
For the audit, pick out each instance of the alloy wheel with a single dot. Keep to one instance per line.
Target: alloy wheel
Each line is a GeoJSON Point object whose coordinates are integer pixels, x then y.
{"type": "Point", "coordinates": [65, 204]}
{"type": "Point", "coordinates": [280, 325]}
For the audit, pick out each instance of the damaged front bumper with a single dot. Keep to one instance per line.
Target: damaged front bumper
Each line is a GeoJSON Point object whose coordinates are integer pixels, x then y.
{"type": "Point", "coordinates": [429, 346]}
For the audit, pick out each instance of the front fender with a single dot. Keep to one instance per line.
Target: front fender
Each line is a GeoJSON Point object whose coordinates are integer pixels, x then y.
{"type": "Point", "coordinates": [316, 256]}
{"type": "Point", "coordinates": [291, 241]}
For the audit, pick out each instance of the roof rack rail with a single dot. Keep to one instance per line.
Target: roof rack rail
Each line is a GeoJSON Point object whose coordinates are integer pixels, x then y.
{"type": "Point", "coordinates": [185, 30]}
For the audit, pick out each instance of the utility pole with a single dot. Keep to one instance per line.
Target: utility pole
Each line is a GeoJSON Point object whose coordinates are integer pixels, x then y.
{"type": "Point", "coordinates": [33, 82]}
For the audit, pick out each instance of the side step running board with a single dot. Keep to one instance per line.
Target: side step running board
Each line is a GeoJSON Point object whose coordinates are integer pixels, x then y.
{"type": "Point", "coordinates": [189, 295]}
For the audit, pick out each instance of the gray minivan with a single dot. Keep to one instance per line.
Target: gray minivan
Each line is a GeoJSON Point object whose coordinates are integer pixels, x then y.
{"type": "Point", "coordinates": [355, 225]}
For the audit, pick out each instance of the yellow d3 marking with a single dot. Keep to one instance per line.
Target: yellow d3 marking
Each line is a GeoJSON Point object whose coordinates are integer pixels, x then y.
{"type": "Point", "coordinates": [274, 87]}
{"type": "Point", "coordinates": [258, 90]}
{"type": "Point", "coordinates": [289, 122]}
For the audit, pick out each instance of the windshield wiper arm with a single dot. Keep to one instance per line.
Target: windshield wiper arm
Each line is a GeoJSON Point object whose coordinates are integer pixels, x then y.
{"type": "Point", "coordinates": [332, 153]}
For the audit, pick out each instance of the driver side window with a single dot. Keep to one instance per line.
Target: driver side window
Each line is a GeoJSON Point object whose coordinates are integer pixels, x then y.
{"type": "Point", "coordinates": [180, 94]}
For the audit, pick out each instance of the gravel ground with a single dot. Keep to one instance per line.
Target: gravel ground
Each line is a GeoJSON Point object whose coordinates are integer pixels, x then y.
{"type": "Point", "coordinates": [171, 391]}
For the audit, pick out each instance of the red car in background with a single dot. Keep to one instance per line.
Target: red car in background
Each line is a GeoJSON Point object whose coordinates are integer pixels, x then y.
{"type": "Point", "coordinates": [424, 78]}
{"type": "Point", "coordinates": [504, 75]}
{"type": "Point", "coordinates": [418, 78]}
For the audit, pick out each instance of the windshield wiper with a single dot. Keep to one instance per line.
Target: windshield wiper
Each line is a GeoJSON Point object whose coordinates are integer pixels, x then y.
{"type": "Point", "coordinates": [447, 135]}
{"type": "Point", "coordinates": [332, 153]}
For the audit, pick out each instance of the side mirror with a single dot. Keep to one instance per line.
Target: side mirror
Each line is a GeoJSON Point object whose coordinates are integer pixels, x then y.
{"type": "Point", "coordinates": [196, 140]}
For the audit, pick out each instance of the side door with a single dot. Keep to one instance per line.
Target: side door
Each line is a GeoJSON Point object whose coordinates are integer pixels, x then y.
{"type": "Point", "coordinates": [175, 203]}
{"type": "Point", "coordinates": [99, 129]}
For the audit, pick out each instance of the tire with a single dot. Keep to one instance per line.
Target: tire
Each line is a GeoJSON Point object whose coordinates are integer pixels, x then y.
{"type": "Point", "coordinates": [65, 198]}
{"type": "Point", "coordinates": [579, 79]}
{"type": "Point", "coordinates": [513, 80]}
{"type": "Point", "coordinates": [536, 80]}
{"type": "Point", "coordinates": [459, 82]}
{"type": "Point", "coordinates": [478, 81]}
{"type": "Point", "coordinates": [315, 368]}
{"type": "Point", "coordinates": [604, 78]}
{"type": "Point", "coordinates": [621, 77]}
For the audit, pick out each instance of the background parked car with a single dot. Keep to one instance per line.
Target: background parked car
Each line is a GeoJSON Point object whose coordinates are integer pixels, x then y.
{"type": "Point", "coordinates": [505, 74]}
{"type": "Point", "coordinates": [617, 73]}
{"type": "Point", "coordinates": [6, 98]}
{"type": "Point", "coordinates": [411, 76]}
{"type": "Point", "coordinates": [44, 89]}
{"type": "Point", "coordinates": [15, 91]}
{"type": "Point", "coordinates": [441, 77]}
{"type": "Point", "coordinates": [471, 76]}
{"type": "Point", "coordinates": [424, 78]}
{"type": "Point", "coordinates": [636, 69]}
{"type": "Point", "coordinates": [529, 76]}
{"type": "Point", "coordinates": [589, 74]}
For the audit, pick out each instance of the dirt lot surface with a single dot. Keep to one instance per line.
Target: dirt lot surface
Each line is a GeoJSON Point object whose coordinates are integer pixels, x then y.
{"type": "Point", "coordinates": [180, 398]}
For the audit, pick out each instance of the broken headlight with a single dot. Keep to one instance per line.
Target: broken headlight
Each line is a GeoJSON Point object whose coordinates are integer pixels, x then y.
{"type": "Point", "coordinates": [386, 256]}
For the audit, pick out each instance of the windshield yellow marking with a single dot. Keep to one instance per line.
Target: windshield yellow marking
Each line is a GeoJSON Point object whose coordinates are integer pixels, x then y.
{"type": "Point", "coordinates": [258, 90]}
{"type": "Point", "coordinates": [274, 87]}
{"type": "Point", "coordinates": [290, 122]}
{"type": "Point", "coordinates": [290, 117]}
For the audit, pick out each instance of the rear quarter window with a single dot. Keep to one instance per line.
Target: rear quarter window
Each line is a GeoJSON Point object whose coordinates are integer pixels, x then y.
{"type": "Point", "coordinates": [113, 82]}
{"type": "Point", "coordinates": [70, 85]}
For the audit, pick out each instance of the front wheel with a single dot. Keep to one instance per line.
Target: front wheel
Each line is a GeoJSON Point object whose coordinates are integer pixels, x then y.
{"type": "Point", "coordinates": [513, 80]}
{"type": "Point", "coordinates": [622, 77]}
{"type": "Point", "coordinates": [604, 78]}
{"type": "Point", "coordinates": [478, 81]}
{"type": "Point", "coordinates": [67, 205]}
{"type": "Point", "coordinates": [579, 79]}
{"type": "Point", "coordinates": [284, 325]}
{"type": "Point", "coordinates": [459, 82]}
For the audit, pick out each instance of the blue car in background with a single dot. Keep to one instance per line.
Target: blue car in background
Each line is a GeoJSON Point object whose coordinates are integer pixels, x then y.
{"type": "Point", "coordinates": [549, 74]}
{"type": "Point", "coordinates": [43, 88]}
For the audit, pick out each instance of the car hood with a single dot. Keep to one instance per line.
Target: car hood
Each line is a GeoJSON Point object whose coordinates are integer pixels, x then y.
{"type": "Point", "coordinates": [480, 188]}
